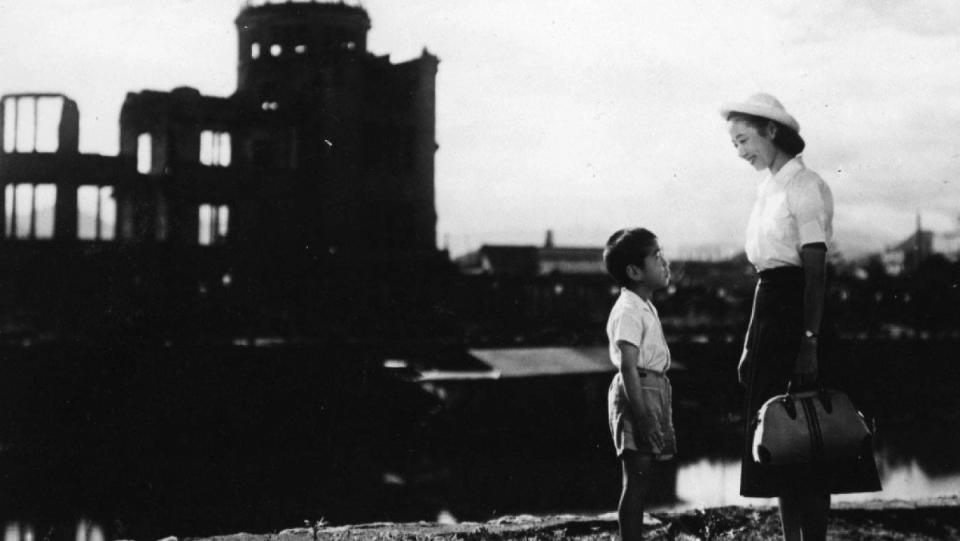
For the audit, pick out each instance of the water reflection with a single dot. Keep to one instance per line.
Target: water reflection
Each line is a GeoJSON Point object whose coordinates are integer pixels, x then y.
{"type": "Point", "coordinates": [708, 483]}
{"type": "Point", "coordinates": [151, 452]}
{"type": "Point", "coordinates": [910, 481]}
{"type": "Point", "coordinates": [81, 530]}
{"type": "Point", "coordinates": [17, 531]}
{"type": "Point", "coordinates": [909, 390]}
{"type": "Point", "coordinates": [89, 531]}
{"type": "Point", "coordinates": [712, 483]}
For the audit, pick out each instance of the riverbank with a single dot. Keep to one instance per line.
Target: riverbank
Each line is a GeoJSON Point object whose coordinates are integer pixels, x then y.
{"type": "Point", "coordinates": [935, 519]}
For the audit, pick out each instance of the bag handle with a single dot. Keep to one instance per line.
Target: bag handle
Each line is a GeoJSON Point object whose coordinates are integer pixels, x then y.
{"type": "Point", "coordinates": [822, 394]}
{"type": "Point", "coordinates": [815, 386]}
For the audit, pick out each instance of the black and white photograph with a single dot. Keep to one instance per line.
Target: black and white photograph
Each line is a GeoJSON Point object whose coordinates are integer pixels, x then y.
{"type": "Point", "coordinates": [310, 270]}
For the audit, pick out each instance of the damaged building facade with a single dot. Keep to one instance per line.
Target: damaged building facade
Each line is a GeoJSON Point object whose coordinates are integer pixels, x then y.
{"type": "Point", "coordinates": [301, 205]}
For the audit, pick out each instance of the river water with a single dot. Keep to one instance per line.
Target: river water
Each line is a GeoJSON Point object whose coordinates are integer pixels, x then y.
{"type": "Point", "coordinates": [907, 390]}
{"type": "Point", "coordinates": [714, 483]}
{"type": "Point", "coordinates": [272, 448]}
{"type": "Point", "coordinates": [531, 462]}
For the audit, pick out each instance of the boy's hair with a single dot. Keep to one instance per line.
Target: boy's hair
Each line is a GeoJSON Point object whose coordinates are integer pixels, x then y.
{"type": "Point", "coordinates": [627, 247]}
{"type": "Point", "coordinates": [786, 138]}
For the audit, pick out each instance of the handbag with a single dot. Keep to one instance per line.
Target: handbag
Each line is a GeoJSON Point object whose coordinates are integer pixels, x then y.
{"type": "Point", "coordinates": [807, 427]}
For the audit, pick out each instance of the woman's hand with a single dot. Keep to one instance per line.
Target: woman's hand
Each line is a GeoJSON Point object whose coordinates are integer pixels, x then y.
{"type": "Point", "coordinates": [743, 368]}
{"type": "Point", "coordinates": [805, 371]}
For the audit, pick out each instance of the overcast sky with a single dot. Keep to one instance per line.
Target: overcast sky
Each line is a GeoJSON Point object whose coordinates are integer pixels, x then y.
{"type": "Point", "coordinates": [584, 117]}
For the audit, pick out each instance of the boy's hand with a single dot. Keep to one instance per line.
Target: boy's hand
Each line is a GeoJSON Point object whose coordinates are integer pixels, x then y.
{"type": "Point", "coordinates": [649, 430]}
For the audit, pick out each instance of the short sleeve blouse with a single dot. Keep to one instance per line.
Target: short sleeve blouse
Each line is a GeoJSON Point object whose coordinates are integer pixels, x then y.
{"type": "Point", "coordinates": [793, 208]}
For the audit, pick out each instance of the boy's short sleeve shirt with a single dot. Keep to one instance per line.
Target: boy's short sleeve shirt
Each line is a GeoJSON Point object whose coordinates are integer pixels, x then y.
{"type": "Point", "coordinates": [635, 321]}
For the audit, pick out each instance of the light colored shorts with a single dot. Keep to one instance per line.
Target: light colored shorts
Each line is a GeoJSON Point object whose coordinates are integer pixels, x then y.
{"type": "Point", "coordinates": [657, 396]}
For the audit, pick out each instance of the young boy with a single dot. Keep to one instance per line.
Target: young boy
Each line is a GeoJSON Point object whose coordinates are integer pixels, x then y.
{"type": "Point", "coordinates": [639, 399]}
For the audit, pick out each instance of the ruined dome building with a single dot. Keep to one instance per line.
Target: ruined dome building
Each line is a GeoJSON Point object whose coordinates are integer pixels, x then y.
{"type": "Point", "coordinates": [300, 206]}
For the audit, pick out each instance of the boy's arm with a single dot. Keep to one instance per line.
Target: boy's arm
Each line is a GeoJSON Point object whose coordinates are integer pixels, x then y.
{"type": "Point", "coordinates": [645, 423]}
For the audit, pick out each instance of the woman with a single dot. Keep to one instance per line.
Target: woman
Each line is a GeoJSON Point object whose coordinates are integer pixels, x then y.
{"type": "Point", "coordinates": [787, 237]}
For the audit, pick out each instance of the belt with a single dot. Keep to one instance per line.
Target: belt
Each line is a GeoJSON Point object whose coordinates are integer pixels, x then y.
{"type": "Point", "coordinates": [781, 275]}
{"type": "Point", "coordinates": [645, 371]}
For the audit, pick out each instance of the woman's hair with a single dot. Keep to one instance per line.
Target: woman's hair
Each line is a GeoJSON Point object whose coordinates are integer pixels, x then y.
{"type": "Point", "coordinates": [627, 247]}
{"type": "Point", "coordinates": [786, 138]}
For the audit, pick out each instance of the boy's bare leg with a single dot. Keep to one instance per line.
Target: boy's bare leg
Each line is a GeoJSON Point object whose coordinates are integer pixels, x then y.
{"type": "Point", "coordinates": [637, 469]}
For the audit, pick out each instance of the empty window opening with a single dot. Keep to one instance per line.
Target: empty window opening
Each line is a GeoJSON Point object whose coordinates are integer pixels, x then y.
{"type": "Point", "coordinates": [49, 110]}
{"type": "Point", "coordinates": [214, 224]}
{"type": "Point", "coordinates": [223, 221]}
{"type": "Point", "coordinates": [30, 210]}
{"type": "Point", "coordinates": [144, 153]}
{"type": "Point", "coordinates": [9, 125]}
{"type": "Point", "coordinates": [32, 124]}
{"type": "Point", "coordinates": [300, 49]}
{"type": "Point", "coordinates": [255, 51]}
{"type": "Point", "coordinates": [276, 49]}
{"type": "Point", "coordinates": [215, 148]}
{"type": "Point", "coordinates": [96, 213]}
{"type": "Point", "coordinates": [16, 531]}
{"type": "Point", "coordinates": [26, 124]}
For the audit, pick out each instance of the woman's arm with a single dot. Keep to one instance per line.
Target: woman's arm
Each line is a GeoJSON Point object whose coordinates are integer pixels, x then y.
{"type": "Point", "coordinates": [630, 373]}
{"type": "Point", "coordinates": [743, 368]}
{"type": "Point", "coordinates": [813, 259]}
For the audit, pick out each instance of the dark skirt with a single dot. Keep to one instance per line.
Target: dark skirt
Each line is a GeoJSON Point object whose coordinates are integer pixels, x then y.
{"type": "Point", "coordinates": [773, 343]}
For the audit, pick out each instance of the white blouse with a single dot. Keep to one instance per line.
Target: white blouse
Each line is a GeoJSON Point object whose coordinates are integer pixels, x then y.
{"type": "Point", "coordinates": [793, 208]}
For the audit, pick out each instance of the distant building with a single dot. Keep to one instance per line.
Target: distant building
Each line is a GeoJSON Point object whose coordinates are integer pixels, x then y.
{"type": "Point", "coordinates": [505, 259]}
{"type": "Point", "coordinates": [906, 255]}
{"type": "Point", "coordinates": [705, 252]}
{"type": "Point", "coordinates": [534, 294]}
{"type": "Point", "coordinates": [909, 253]}
{"type": "Point", "coordinates": [948, 244]}
{"type": "Point", "coordinates": [549, 294]}
{"type": "Point", "coordinates": [302, 203]}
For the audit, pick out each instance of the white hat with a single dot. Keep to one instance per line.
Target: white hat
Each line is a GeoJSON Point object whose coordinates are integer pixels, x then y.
{"type": "Point", "coordinates": [762, 105]}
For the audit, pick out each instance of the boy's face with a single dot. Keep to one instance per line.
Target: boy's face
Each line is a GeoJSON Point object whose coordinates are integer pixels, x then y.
{"type": "Point", "coordinates": [655, 271]}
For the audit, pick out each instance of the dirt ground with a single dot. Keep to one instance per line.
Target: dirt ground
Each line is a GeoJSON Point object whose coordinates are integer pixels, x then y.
{"type": "Point", "coordinates": [898, 520]}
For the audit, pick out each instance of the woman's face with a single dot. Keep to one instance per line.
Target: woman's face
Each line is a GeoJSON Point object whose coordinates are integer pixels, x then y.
{"type": "Point", "coordinates": [754, 146]}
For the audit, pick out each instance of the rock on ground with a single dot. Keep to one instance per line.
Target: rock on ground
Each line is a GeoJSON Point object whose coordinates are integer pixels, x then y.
{"type": "Point", "coordinates": [900, 520]}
